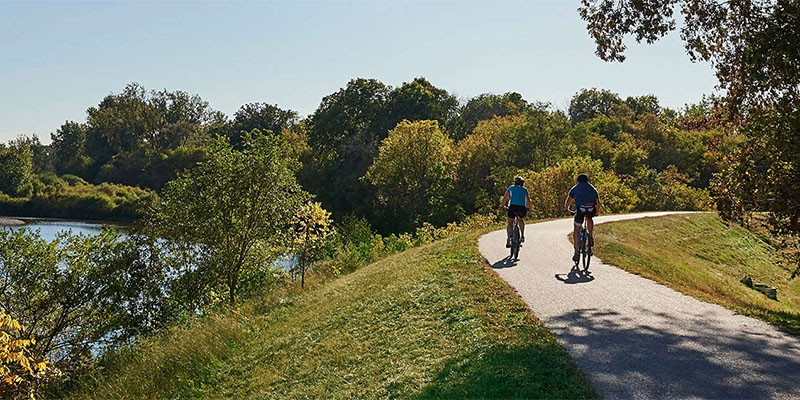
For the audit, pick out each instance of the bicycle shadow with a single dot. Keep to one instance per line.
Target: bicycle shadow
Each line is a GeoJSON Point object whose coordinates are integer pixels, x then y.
{"type": "Point", "coordinates": [506, 262]}
{"type": "Point", "coordinates": [575, 275]}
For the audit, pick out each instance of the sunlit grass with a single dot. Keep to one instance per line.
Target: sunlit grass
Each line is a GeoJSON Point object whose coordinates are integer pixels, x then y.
{"type": "Point", "coordinates": [700, 255]}
{"type": "Point", "coordinates": [433, 321]}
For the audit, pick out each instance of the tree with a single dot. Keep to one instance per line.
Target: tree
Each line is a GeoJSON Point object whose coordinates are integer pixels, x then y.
{"type": "Point", "coordinates": [262, 116]}
{"type": "Point", "coordinates": [549, 186]}
{"type": "Point", "coordinates": [413, 174]}
{"type": "Point", "coordinates": [76, 294]}
{"type": "Point", "coordinates": [750, 43]}
{"type": "Point", "coordinates": [69, 149]}
{"type": "Point", "coordinates": [128, 132]}
{"type": "Point", "coordinates": [484, 107]}
{"type": "Point", "coordinates": [16, 170]}
{"type": "Point", "coordinates": [311, 229]}
{"type": "Point", "coordinates": [641, 105]}
{"type": "Point", "coordinates": [753, 45]}
{"type": "Point", "coordinates": [234, 209]}
{"type": "Point", "coordinates": [420, 100]}
{"type": "Point", "coordinates": [344, 133]}
{"type": "Point", "coordinates": [589, 103]}
{"type": "Point", "coordinates": [355, 111]}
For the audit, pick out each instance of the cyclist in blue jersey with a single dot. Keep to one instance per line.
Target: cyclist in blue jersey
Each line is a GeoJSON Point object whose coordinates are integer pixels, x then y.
{"type": "Point", "coordinates": [587, 205]}
{"type": "Point", "coordinates": [518, 203]}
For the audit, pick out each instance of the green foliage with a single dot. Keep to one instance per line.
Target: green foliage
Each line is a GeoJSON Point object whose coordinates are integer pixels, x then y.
{"type": "Point", "coordinates": [262, 116]}
{"type": "Point", "coordinates": [485, 107]}
{"type": "Point", "coordinates": [534, 140]}
{"type": "Point", "coordinates": [69, 149]}
{"type": "Point", "coordinates": [669, 190]}
{"type": "Point", "coordinates": [234, 209]}
{"type": "Point", "coordinates": [127, 135]}
{"type": "Point", "coordinates": [16, 170]}
{"type": "Point", "coordinates": [589, 103]}
{"type": "Point", "coordinates": [419, 100]}
{"type": "Point", "coordinates": [748, 43]}
{"type": "Point", "coordinates": [71, 197]}
{"type": "Point", "coordinates": [413, 174]}
{"type": "Point", "coordinates": [549, 187]}
{"type": "Point", "coordinates": [77, 294]}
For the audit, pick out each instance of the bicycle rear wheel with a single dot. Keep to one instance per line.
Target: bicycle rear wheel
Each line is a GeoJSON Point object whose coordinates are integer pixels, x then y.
{"type": "Point", "coordinates": [587, 251]}
{"type": "Point", "coordinates": [515, 237]}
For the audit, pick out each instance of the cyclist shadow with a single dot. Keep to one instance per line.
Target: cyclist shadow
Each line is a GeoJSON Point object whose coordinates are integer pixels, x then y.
{"type": "Point", "coordinates": [507, 262]}
{"type": "Point", "coordinates": [575, 275]}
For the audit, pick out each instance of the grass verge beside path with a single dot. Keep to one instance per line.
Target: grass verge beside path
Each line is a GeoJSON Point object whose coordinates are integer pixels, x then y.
{"type": "Point", "coordinates": [700, 255]}
{"type": "Point", "coordinates": [431, 322]}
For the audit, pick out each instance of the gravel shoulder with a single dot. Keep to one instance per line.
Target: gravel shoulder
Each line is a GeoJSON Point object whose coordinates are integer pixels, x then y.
{"type": "Point", "coordinates": [637, 339]}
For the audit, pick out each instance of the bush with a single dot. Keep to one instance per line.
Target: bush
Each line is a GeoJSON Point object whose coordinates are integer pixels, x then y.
{"type": "Point", "coordinates": [71, 197]}
{"type": "Point", "coordinates": [549, 188]}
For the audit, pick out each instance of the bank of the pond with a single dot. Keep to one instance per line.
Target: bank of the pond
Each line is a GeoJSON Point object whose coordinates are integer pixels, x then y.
{"type": "Point", "coordinates": [6, 221]}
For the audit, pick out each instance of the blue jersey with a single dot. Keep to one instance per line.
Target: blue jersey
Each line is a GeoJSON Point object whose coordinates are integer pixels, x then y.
{"type": "Point", "coordinates": [518, 196]}
{"type": "Point", "coordinates": [583, 193]}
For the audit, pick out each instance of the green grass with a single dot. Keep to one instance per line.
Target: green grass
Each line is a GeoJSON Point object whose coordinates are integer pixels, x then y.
{"type": "Point", "coordinates": [431, 322]}
{"type": "Point", "coordinates": [700, 255]}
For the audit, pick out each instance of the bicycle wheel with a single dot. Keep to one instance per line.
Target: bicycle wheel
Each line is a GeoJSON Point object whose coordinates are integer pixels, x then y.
{"type": "Point", "coordinates": [587, 254]}
{"type": "Point", "coordinates": [515, 242]}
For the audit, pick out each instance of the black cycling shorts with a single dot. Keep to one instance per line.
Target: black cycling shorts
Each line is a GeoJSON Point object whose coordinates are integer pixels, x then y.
{"type": "Point", "coordinates": [584, 211]}
{"type": "Point", "coordinates": [517, 211]}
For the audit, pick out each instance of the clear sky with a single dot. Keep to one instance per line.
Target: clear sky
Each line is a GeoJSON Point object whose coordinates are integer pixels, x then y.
{"type": "Point", "coordinates": [59, 58]}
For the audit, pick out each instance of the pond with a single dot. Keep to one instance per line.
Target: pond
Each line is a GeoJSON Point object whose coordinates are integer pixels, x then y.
{"type": "Point", "coordinates": [49, 228]}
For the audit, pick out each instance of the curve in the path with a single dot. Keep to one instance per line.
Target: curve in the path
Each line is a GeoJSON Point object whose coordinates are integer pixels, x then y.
{"type": "Point", "coordinates": [638, 339]}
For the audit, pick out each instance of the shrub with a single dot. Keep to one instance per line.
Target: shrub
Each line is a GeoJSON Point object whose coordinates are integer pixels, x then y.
{"type": "Point", "coordinates": [71, 197]}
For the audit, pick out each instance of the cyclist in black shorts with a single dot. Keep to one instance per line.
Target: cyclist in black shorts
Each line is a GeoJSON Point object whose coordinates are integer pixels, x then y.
{"type": "Point", "coordinates": [518, 202]}
{"type": "Point", "coordinates": [587, 205]}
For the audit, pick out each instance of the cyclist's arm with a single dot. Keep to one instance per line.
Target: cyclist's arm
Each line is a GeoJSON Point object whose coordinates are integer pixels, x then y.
{"type": "Point", "coordinates": [567, 203]}
{"type": "Point", "coordinates": [597, 206]}
{"type": "Point", "coordinates": [505, 199]}
{"type": "Point", "coordinates": [528, 202]}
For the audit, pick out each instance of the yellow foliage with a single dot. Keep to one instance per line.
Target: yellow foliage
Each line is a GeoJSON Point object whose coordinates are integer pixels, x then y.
{"type": "Point", "coordinates": [17, 367]}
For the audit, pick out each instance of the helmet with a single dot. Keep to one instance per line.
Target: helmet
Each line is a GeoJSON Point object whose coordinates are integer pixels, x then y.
{"type": "Point", "coordinates": [583, 178]}
{"type": "Point", "coordinates": [519, 181]}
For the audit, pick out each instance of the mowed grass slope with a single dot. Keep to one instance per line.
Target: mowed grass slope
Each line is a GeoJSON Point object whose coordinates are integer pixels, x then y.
{"type": "Point", "coordinates": [700, 255]}
{"type": "Point", "coordinates": [431, 322]}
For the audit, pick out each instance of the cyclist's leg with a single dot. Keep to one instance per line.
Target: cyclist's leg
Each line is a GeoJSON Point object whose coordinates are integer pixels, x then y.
{"type": "Point", "coordinates": [510, 227]}
{"type": "Point", "coordinates": [521, 222]}
{"type": "Point", "coordinates": [577, 225]}
{"type": "Point", "coordinates": [590, 225]}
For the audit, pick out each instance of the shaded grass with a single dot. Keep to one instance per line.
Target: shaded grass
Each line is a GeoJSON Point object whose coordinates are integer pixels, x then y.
{"type": "Point", "coordinates": [700, 255]}
{"type": "Point", "coordinates": [433, 321]}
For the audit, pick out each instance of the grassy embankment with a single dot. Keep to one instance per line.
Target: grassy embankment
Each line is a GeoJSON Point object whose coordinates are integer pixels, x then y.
{"type": "Point", "coordinates": [701, 256]}
{"type": "Point", "coordinates": [433, 321]}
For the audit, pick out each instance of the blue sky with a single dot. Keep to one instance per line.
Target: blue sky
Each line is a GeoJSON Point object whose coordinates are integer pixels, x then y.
{"type": "Point", "coordinates": [59, 58]}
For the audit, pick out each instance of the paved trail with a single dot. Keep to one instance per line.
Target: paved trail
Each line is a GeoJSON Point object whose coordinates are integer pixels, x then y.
{"type": "Point", "coordinates": [638, 339]}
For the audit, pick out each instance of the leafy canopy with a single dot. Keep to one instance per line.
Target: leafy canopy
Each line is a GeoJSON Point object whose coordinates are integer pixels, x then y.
{"type": "Point", "coordinates": [234, 209]}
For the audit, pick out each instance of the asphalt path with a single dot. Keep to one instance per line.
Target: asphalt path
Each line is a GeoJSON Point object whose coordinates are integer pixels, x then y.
{"type": "Point", "coordinates": [636, 339]}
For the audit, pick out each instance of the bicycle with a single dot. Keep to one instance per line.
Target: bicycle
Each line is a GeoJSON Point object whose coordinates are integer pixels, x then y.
{"type": "Point", "coordinates": [585, 243]}
{"type": "Point", "coordinates": [515, 239]}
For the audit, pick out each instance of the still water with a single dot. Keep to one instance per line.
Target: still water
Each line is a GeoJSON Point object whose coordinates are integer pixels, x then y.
{"type": "Point", "coordinates": [49, 228]}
